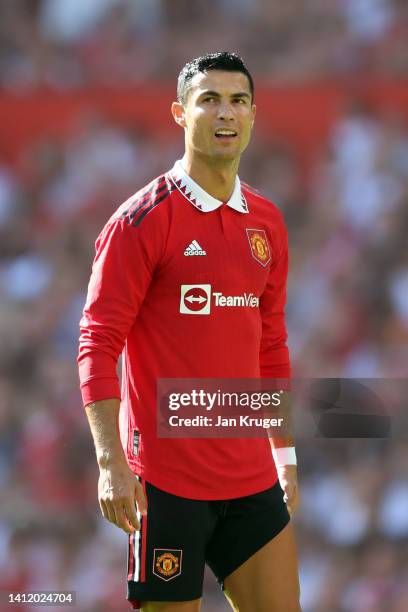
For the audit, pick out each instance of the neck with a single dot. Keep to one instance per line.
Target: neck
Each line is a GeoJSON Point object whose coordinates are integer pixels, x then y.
{"type": "Point", "coordinates": [214, 176]}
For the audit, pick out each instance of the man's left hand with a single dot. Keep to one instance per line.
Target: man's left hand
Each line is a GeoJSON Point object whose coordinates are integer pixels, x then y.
{"type": "Point", "coordinates": [289, 483]}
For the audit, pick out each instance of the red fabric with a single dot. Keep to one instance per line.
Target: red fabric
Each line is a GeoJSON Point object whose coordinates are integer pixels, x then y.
{"type": "Point", "coordinates": [131, 564]}
{"type": "Point", "coordinates": [133, 304]}
{"type": "Point", "coordinates": [143, 542]}
{"type": "Point", "coordinates": [143, 551]}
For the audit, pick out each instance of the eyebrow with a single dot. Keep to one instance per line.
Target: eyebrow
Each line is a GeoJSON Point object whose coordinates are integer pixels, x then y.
{"type": "Point", "coordinates": [239, 94]}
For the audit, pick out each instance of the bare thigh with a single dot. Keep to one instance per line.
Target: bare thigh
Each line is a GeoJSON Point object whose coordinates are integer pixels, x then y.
{"type": "Point", "coordinates": [269, 580]}
{"type": "Point", "coordinates": [172, 606]}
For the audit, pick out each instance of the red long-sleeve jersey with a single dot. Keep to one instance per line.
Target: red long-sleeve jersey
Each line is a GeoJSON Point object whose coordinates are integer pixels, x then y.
{"type": "Point", "coordinates": [171, 268]}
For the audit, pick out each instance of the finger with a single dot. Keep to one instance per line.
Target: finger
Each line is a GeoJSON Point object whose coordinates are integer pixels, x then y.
{"type": "Point", "coordinates": [290, 500]}
{"type": "Point", "coordinates": [294, 503]}
{"type": "Point", "coordinates": [140, 498]}
{"type": "Point", "coordinates": [103, 509]}
{"type": "Point", "coordinates": [108, 513]}
{"type": "Point", "coordinates": [288, 492]}
{"type": "Point", "coordinates": [120, 517]}
{"type": "Point", "coordinates": [130, 509]}
{"type": "Point", "coordinates": [290, 506]}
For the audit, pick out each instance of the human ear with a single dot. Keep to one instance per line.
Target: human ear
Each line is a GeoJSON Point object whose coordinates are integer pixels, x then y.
{"type": "Point", "coordinates": [177, 110]}
{"type": "Point", "coordinates": [253, 115]}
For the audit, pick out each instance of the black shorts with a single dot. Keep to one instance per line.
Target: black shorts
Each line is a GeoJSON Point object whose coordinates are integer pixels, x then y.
{"type": "Point", "coordinates": [179, 536]}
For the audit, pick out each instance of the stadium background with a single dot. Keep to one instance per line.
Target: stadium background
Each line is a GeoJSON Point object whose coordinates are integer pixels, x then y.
{"type": "Point", "coordinates": [85, 91]}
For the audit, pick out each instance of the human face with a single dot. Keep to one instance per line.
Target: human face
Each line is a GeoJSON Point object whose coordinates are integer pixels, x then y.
{"type": "Point", "coordinates": [217, 100]}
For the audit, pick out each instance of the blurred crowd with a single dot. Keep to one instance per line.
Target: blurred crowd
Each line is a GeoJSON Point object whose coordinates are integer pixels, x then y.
{"type": "Point", "coordinates": [348, 287]}
{"type": "Point", "coordinates": [64, 44]}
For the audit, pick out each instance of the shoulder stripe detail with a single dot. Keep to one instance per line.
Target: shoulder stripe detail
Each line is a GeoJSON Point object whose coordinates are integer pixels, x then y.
{"type": "Point", "coordinates": [152, 205]}
{"type": "Point", "coordinates": [153, 194]}
{"type": "Point", "coordinates": [147, 202]}
{"type": "Point", "coordinates": [250, 189]}
{"type": "Point", "coordinates": [157, 182]}
{"type": "Point", "coordinates": [157, 185]}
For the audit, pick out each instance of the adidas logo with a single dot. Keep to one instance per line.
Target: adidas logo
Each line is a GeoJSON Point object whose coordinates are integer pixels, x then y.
{"type": "Point", "coordinates": [194, 249]}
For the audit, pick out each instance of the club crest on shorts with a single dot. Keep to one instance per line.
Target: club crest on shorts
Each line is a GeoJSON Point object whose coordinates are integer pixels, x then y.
{"type": "Point", "coordinates": [259, 246]}
{"type": "Point", "coordinates": [167, 563]}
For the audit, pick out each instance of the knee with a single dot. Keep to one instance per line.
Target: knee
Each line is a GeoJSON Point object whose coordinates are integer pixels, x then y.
{"type": "Point", "coordinates": [288, 607]}
{"type": "Point", "coordinates": [263, 606]}
{"type": "Point", "coordinates": [292, 607]}
{"type": "Point", "coordinates": [289, 604]}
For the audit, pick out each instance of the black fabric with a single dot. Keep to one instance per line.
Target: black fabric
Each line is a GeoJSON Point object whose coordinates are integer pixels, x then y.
{"type": "Point", "coordinates": [184, 534]}
{"type": "Point", "coordinates": [247, 524]}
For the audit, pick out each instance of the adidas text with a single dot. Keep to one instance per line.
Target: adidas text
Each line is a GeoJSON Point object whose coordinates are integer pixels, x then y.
{"type": "Point", "coordinates": [194, 249]}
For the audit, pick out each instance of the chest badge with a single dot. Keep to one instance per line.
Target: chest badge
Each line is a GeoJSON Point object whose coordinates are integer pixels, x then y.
{"type": "Point", "coordinates": [259, 246]}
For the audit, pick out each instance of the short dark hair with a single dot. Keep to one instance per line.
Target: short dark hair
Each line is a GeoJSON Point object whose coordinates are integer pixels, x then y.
{"type": "Point", "coordinates": [222, 60]}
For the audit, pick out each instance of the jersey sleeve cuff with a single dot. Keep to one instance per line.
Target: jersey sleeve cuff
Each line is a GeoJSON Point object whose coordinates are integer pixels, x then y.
{"type": "Point", "coordinates": [275, 371]}
{"type": "Point", "coordinates": [100, 389]}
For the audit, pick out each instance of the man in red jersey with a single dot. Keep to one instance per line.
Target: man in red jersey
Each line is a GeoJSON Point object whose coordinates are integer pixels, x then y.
{"type": "Point", "coordinates": [189, 281]}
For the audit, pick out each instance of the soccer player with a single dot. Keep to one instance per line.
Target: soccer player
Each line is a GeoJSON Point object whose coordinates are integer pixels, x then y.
{"type": "Point", "coordinates": [170, 270]}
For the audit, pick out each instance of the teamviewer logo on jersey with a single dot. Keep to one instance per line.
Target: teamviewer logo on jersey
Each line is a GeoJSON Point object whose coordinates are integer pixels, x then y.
{"type": "Point", "coordinates": [195, 299]}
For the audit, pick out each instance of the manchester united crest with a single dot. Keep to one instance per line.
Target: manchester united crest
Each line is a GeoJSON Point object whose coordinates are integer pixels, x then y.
{"type": "Point", "coordinates": [259, 246]}
{"type": "Point", "coordinates": [167, 563]}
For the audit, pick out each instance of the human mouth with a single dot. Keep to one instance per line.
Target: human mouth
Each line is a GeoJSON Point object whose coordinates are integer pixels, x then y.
{"type": "Point", "coordinates": [225, 133]}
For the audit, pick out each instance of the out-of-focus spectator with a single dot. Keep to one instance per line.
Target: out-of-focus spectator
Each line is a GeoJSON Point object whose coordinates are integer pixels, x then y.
{"type": "Point", "coordinates": [348, 284]}
{"type": "Point", "coordinates": [66, 43]}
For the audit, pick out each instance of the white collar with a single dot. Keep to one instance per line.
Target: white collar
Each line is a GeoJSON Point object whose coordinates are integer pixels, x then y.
{"type": "Point", "coordinates": [200, 198]}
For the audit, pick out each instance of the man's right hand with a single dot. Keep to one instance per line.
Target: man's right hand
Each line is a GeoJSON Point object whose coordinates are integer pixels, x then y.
{"type": "Point", "coordinates": [120, 495]}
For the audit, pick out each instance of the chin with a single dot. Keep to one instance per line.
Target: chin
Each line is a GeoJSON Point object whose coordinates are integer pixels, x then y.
{"type": "Point", "coordinates": [227, 155]}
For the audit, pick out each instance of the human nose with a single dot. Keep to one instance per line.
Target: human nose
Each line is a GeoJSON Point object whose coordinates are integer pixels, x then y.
{"type": "Point", "coordinates": [225, 110]}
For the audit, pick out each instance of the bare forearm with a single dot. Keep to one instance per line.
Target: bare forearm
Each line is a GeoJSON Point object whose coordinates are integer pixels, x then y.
{"type": "Point", "coordinates": [283, 437]}
{"type": "Point", "coordinates": [118, 488]}
{"type": "Point", "coordinates": [284, 455]}
{"type": "Point", "coordinates": [282, 442]}
{"type": "Point", "coordinates": [103, 418]}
